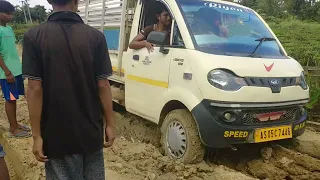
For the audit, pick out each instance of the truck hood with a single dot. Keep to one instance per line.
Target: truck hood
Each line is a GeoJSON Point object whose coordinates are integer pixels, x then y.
{"type": "Point", "coordinates": [250, 67]}
{"type": "Point", "coordinates": [202, 63]}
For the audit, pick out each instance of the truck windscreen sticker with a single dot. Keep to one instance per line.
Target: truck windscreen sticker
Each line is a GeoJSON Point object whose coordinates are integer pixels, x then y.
{"type": "Point", "coordinates": [224, 6]}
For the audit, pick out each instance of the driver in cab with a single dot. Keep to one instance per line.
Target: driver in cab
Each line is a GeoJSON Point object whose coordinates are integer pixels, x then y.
{"type": "Point", "coordinates": [209, 21]}
{"type": "Point", "coordinates": [163, 25]}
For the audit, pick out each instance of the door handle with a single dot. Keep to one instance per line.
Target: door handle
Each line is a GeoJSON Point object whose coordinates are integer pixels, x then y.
{"type": "Point", "coordinates": [136, 57]}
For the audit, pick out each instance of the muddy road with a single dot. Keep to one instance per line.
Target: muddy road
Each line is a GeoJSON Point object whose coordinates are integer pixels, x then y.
{"type": "Point", "coordinates": [287, 159]}
{"type": "Point", "coordinates": [136, 155]}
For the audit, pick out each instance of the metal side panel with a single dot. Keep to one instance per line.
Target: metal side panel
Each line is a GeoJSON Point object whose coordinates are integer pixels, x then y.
{"type": "Point", "coordinates": [105, 15]}
{"type": "Point", "coordinates": [109, 16]}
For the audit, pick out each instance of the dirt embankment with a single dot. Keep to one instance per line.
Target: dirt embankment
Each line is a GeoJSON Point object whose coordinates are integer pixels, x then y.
{"type": "Point", "coordinates": [136, 155]}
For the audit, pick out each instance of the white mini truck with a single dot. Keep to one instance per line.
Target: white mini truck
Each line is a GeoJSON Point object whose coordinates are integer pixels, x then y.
{"type": "Point", "coordinates": [203, 89]}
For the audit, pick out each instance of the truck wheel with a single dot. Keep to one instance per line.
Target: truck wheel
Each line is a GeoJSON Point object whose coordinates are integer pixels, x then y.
{"type": "Point", "coordinates": [180, 138]}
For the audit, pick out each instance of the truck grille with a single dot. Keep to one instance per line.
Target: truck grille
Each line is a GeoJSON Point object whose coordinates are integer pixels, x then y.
{"type": "Point", "coordinates": [265, 82]}
{"type": "Point", "coordinates": [251, 117]}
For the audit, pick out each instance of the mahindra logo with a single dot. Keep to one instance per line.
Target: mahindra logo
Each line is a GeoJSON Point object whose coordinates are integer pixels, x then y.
{"type": "Point", "coordinates": [270, 116]}
{"type": "Point", "coordinates": [268, 68]}
{"type": "Point", "coordinates": [275, 82]}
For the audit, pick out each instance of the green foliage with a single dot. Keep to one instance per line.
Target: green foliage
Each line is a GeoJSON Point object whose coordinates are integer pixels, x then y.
{"type": "Point", "coordinates": [307, 10]}
{"type": "Point", "coordinates": [20, 29]}
{"type": "Point", "coordinates": [38, 14]}
{"type": "Point", "coordinates": [249, 3]}
{"type": "Point", "coordinates": [300, 39]}
{"type": "Point", "coordinates": [314, 98]}
{"type": "Point", "coordinates": [271, 7]}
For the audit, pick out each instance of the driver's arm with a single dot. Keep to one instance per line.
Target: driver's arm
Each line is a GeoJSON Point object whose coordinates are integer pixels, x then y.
{"type": "Point", "coordinates": [138, 42]}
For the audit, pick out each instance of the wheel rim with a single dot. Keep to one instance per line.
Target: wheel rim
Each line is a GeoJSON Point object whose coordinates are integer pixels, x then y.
{"type": "Point", "coordinates": [176, 139]}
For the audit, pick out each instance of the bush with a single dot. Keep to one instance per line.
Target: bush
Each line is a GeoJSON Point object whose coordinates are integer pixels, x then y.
{"type": "Point", "coordinates": [20, 29]}
{"type": "Point", "coordinates": [300, 39]}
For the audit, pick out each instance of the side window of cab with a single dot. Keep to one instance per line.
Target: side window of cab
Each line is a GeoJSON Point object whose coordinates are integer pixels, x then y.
{"type": "Point", "coordinates": [149, 17]}
{"type": "Point", "coordinates": [177, 40]}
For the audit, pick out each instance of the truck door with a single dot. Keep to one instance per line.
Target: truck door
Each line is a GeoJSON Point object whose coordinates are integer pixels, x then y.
{"type": "Point", "coordinates": [147, 79]}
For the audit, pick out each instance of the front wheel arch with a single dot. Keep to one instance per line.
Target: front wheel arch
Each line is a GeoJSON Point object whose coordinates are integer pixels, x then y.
{"type": "Point", "coordinates": [170, 106]}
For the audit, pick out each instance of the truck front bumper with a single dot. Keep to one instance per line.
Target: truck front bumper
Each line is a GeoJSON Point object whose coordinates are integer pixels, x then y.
{"type": "Point", "coordinates": [216, 132]}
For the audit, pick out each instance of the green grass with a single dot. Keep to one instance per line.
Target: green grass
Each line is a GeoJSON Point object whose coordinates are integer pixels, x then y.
{"type": "Point", "coordinates": [20, 29]}
{"type": "Point", "coordinates": [300, 39]}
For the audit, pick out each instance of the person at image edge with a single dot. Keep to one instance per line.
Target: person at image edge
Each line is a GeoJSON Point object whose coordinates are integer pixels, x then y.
{"type": "Point", "coordinates": [67, 65]}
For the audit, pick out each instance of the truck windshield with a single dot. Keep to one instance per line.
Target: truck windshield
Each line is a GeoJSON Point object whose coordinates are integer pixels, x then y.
{"type": "Point", "coordinates": [223, 29]}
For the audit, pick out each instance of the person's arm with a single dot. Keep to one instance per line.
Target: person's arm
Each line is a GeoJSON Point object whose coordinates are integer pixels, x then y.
{"type": "Point", "coordinates": [32, 69]}
{"type": "Point", "coordinates": [106, 101]}
{"type": "Point", "coordinates": [9, 75]}
{"type": "Point", "coordinates": [6, 70]}
{"type": "Point", "coordinates": [3, 66]}
{"type": "Point", "coordinates": [140, 41]}
{"type": "Point", "coordinates": [103, 70]}
{"type": "Point", "coordinates": [34, 99]}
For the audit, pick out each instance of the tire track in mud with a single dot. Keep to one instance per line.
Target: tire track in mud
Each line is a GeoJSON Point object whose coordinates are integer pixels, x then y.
{"type": "Point", "coordinates": [286, 159]}
{"type": "Point", "coordinates": [270, 161]}
{"type": "Point", "coordinates": [137, 154]}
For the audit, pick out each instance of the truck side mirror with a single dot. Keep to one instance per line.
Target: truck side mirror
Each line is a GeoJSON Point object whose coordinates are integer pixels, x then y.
{"type": "Point", "coordinates": [158, 38]}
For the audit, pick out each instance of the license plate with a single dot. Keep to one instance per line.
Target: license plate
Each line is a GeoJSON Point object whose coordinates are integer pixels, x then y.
{"type": "Point", "coordinates": [273, 133]}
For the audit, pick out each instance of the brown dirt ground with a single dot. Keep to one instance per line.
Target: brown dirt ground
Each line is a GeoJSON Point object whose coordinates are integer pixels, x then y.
{"type": "Point", "coordinates": [136, 156]}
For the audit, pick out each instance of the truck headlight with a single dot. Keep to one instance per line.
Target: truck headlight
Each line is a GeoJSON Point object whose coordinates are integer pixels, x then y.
{"type": "Point", "coordinates": [225, 80]}
{"type": "Point", "coordinates": [301, 81]}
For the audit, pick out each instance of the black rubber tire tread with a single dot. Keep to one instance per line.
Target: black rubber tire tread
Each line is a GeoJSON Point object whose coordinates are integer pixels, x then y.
{"type": "Point", "coordinates": [195, 151]}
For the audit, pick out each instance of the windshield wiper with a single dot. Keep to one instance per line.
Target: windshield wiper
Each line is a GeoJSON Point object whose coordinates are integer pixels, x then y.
{"type": "Point", "coordinates": [253, 54]}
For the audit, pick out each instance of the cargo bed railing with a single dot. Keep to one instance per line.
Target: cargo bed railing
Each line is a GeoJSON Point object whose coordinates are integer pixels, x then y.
{"type": "Point", "coordinates": [111, 17]}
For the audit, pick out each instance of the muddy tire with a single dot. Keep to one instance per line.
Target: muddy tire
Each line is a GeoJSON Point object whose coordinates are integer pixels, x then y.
{"type": "Point", "coordinates": [180, 138]}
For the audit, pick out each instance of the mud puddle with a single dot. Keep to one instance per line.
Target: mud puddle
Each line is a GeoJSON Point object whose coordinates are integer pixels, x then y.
{"type": "Point", "coordinates": [295, 159]}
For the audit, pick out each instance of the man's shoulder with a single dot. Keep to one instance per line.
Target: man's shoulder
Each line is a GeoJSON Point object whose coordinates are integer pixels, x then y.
{"type": "Point", "coordinates": [95, 31]}
{"type": "Point", "coordinates": [10, 28]}
{"type": "Point", "coordinates": [149, 28]}
{"type": "Point", "coordinates": [145, 31]}
{"type": "Point", "coordinates": [6, 28]}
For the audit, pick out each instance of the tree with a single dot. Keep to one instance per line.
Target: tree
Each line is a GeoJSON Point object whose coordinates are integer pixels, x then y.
{"type": "Point", "coordinates": [18, 15]}
{"type": "Point", "coordinates": [38, 14]}
{"type": "Point", "coordinates": [273, 8]}
{"type": "Point", "coordinates": [295, 7]}
{"type": "Point", "coordinates": [249, 3]}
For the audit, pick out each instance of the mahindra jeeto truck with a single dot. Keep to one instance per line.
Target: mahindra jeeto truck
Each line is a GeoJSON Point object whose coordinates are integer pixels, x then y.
{"type": "Point", "coordinates": [223, 79]}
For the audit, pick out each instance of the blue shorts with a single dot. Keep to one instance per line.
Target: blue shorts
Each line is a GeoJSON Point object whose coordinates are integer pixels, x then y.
{"type": "Point", "coordinates": [2, 153]}
{"type": "Point", "coordinates": [11, 92]}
